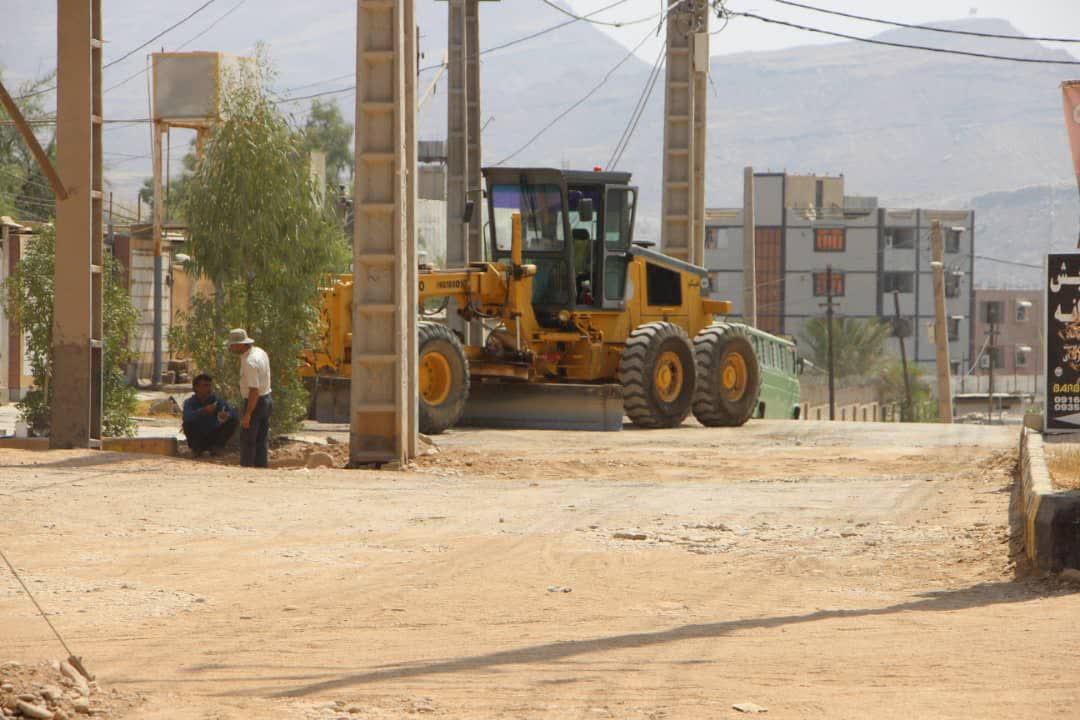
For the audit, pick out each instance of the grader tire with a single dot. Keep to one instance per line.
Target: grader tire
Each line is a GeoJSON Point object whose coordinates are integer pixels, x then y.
{"type": "Point", "coordinates": [443, 378]}
{"type": "Point", "coordinates": [728, 377]}
{"type": "Point", "coordinates": [657, 374]}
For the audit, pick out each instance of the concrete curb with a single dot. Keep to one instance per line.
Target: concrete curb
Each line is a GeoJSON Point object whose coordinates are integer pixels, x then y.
{"type": "Point", "coordinates": [1051, 518]}
{"type": "Point", "coordinates": [146, 446]}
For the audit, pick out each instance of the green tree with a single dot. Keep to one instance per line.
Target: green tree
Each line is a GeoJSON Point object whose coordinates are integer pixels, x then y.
{"type": "Point", "coordinates": [261, 236]}
{"type": "Point", "coordinates": [24, 191]}
{"type": "Point", "coordinates": [326, 131]}
{"type": "Point", "coordinates": [892, 391]}
{"type": "Point", "coordinates": [176, 204]}
{"type": "Point", "coordinates": [28, 300]}
{"type": "Point", "coordinates": [858, 345]}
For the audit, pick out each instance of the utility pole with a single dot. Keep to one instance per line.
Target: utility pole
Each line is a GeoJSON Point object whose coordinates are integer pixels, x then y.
{"type": "Point", "coordinates": [383, 402]}
{"type": "Point", "coordinates": [77, 310]}
{"type": "Point", "coordinates": [749, 251]}
{"type": "Point", "coordinates": [990, 389]}
{"type": "Point", "coordinates": [903, 357]}
{"type": "Point", "coordinates": [457, 149]}
{"type": "Point", "coordinates": [829, 340]}
{"type": "Point", "coordinates": [941, 330]}
{"type": "Point", "coordinates": [685, 106]}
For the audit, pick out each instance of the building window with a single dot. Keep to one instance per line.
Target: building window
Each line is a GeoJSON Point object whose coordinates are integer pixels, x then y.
{"type": "Point", "coordinates": [821, 284]}
{"type": "Point", "coordinates": [993, 311]}
{"type": "Point", "coordinates": [954, 329]}
{"type": "Point", "coordinates": [830, 240]}
{"type": "Point", "coordinates": [1023, 310]}
{"type": "Point", "coordinates": [716, 238]}
{"type": "Point", "coordinates": [952, 284]}
{"type": "Point", "coordinates": [1021, 358]}
{"type": "Point", "coordinates": [899, 282]}
{"type": "Point", "coordinates": [900, 238]}
{"type": "Point", "coordinates": [901, 327]}
{"type": "Point", "coordinates": [952, 240]}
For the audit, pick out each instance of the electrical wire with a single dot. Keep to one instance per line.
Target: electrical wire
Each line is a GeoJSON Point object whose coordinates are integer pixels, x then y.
{"type": "Point", "coordinates": [638, 112]}
{"type": "Point", "coordinates": [908, 46]}
{"type": "Point", "coordinates": [179, 47]}
{"type": "Point", "coordinates": [161, 34]}
{"type": "Point", "coordinates": [566, 12]}
{"type": "Point", "coordinates": [131, 52]}
{"type": "Point", "coordinates": [426, 68]}
{"type": "Point", "coordinates": [928, 28]}
{"type": "Point", "coordinates": [596, 88]}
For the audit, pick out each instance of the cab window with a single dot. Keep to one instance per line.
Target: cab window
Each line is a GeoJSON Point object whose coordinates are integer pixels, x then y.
{"type": "Point", "coordinates": [534, 210]}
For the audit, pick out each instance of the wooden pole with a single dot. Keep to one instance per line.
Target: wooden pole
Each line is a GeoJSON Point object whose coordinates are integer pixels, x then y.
{"type": "Point", "coordinates": [906, 414]}
{"type": "Point", "coordinates": [829, 340]}
{"type": "Point", "coordinates": [941, 329]}
{"type": "Point", "coordinates": [31, 140]}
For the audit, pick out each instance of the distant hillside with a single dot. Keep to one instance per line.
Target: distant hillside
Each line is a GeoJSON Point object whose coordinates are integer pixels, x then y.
{"type": "Point", "coordinates": [910, 127]}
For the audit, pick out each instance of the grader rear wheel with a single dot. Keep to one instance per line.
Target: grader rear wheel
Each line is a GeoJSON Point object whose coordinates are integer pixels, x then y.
{"type": "Point", "coordinates": [443, 378]}
{"type": "Point", "coordinates": [728, 375]}
{"type": "Point", "coordinates": [657, 373]}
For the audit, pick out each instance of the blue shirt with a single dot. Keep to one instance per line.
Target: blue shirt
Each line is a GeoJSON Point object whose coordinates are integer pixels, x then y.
{"type": "Point", "coordinates": [196, 421]}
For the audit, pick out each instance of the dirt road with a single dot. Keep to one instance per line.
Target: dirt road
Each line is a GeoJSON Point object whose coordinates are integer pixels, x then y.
{"type": "Point", "coordinates": [819, 570]}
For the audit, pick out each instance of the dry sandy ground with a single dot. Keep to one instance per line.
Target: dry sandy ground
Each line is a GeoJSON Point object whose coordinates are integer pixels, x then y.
{"type": "Point", "coordinates": [819, 570]}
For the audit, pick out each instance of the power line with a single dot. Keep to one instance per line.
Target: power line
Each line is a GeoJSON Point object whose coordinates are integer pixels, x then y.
{"type": "Point", "coordinates": [946, 51]}
{"type": "Point", "coordinates": [583, 99]}
{"type": "Point", "coordinates": [929, 28]}
{"type": "Point", "coordinates": [187, 42]}
{"type": "Point", "coordinates": [161, 34]}
{"type": "Point", "coordinates": [1007, 262]}
{"type": "Point", "coordinates": [128, 54]}
{"type": "Point", "coordinates": [638, 112]}
{"type": "Point", "coordinates": [566, 12]}
{"type": "Point", "coordinates": [496, 48]}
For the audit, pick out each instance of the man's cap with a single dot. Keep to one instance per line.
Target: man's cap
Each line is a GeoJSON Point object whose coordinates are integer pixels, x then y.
{"type": "Point", "coordinates": [239, 336]}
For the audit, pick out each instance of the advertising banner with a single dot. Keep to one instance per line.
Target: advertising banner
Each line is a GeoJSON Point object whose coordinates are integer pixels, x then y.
{"type": "Point", "coordinates": [1062, 342]}
{"type": "Point", "coordinates": [1070, 95]}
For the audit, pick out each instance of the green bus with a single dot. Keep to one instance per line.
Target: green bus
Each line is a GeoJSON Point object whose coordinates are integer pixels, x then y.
{"type": "Point", "coordinates": [781, 367]}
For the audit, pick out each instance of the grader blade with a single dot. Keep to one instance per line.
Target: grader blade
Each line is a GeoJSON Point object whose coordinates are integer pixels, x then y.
{"type": "Point", "coordinates": [544, 406]}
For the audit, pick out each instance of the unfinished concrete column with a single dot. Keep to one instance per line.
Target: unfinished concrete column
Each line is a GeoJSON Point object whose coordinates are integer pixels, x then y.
{"type": "Point", "coordinates": [77, 319]}
{"type": "Point", "coordinates": [474, 158]}
{"type": "Point", "coordinates": [457, 151]}
{"type": "Point", "coordinates": [684, 132]}
{"type": "Point", "coordinates": [701, 123]}
{"type": "Point", "coordinates": [381, 408]}
{"type": "Point", "coordinates": [412, 43]}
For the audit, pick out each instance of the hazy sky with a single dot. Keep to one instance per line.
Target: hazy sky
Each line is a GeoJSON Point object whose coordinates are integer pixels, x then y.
{"type": "Point", "coordinates": [1036, 17]}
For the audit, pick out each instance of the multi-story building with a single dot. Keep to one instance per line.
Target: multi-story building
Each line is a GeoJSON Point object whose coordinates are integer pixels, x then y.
{"type": "Point", "coordinates": [1017, 316]}
{"type": "Point", "coordinates": [806, 225]}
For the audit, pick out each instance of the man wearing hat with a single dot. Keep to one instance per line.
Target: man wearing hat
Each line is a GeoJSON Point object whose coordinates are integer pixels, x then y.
{"type": "Point", "coordinates": [255, 390]}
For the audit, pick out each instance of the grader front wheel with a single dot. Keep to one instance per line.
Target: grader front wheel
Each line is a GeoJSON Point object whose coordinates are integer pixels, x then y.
{"type": "Point", "coordinates": [728, 377]}
{"type": "Point", "coordinates": [657, 374]}
{"type": "Point", "coordinates": [443, 378]}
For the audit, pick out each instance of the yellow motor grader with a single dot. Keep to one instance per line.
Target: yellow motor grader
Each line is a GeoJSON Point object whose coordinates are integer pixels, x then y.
{"type": "Point", "coordinates": [581, 324]}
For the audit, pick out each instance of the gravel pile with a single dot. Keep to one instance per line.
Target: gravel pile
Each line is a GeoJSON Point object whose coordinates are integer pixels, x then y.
{"type": "Point", "coordinates": [55, 691]}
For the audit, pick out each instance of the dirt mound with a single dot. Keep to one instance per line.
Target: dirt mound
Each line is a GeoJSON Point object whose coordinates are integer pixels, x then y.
{"type": "Point", "coordinates": [55, 691]}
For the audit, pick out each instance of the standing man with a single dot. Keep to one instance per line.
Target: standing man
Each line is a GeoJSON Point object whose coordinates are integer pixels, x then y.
{"type": "Point", "coordinates": [209, 422]}
{"type": "Point", "coordinates": [255, 391]}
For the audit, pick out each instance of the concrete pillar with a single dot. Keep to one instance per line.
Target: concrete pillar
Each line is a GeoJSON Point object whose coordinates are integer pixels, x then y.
{"type": "Point", "coordinates": [77, 321]}
{"type": "Point", "coordinates": [749, 250]}
{"type": "Point", "coordinates": [457, 150]}
{"type": "Point", "coordinates": [381, 408]}
{"type": "Point", "coordinates": [684, 132]}
{"type": "Point", "coordinates": [411, 311]}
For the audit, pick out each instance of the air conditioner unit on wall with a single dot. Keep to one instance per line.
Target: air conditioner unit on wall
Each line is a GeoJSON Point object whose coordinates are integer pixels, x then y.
{"type": "Point", "coordinates": [984, 362]}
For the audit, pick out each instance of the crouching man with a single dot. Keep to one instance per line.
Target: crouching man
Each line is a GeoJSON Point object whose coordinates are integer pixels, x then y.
{"type": "Point", "coordinates": [208, 421]}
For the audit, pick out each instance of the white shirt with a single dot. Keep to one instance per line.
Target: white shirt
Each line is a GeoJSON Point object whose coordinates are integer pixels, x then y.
{"type": "Point", "coordinates": [254, 372]}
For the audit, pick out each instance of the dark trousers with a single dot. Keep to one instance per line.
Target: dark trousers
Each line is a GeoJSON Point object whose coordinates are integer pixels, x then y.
{"type": "Point", "coordinates": [255, 440]}
{"type": "Point", "coordinates": [203, 441]}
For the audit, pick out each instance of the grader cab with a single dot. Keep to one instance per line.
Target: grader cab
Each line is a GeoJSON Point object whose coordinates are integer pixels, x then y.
{"type": "Point", "coordinates": [581, 325]}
